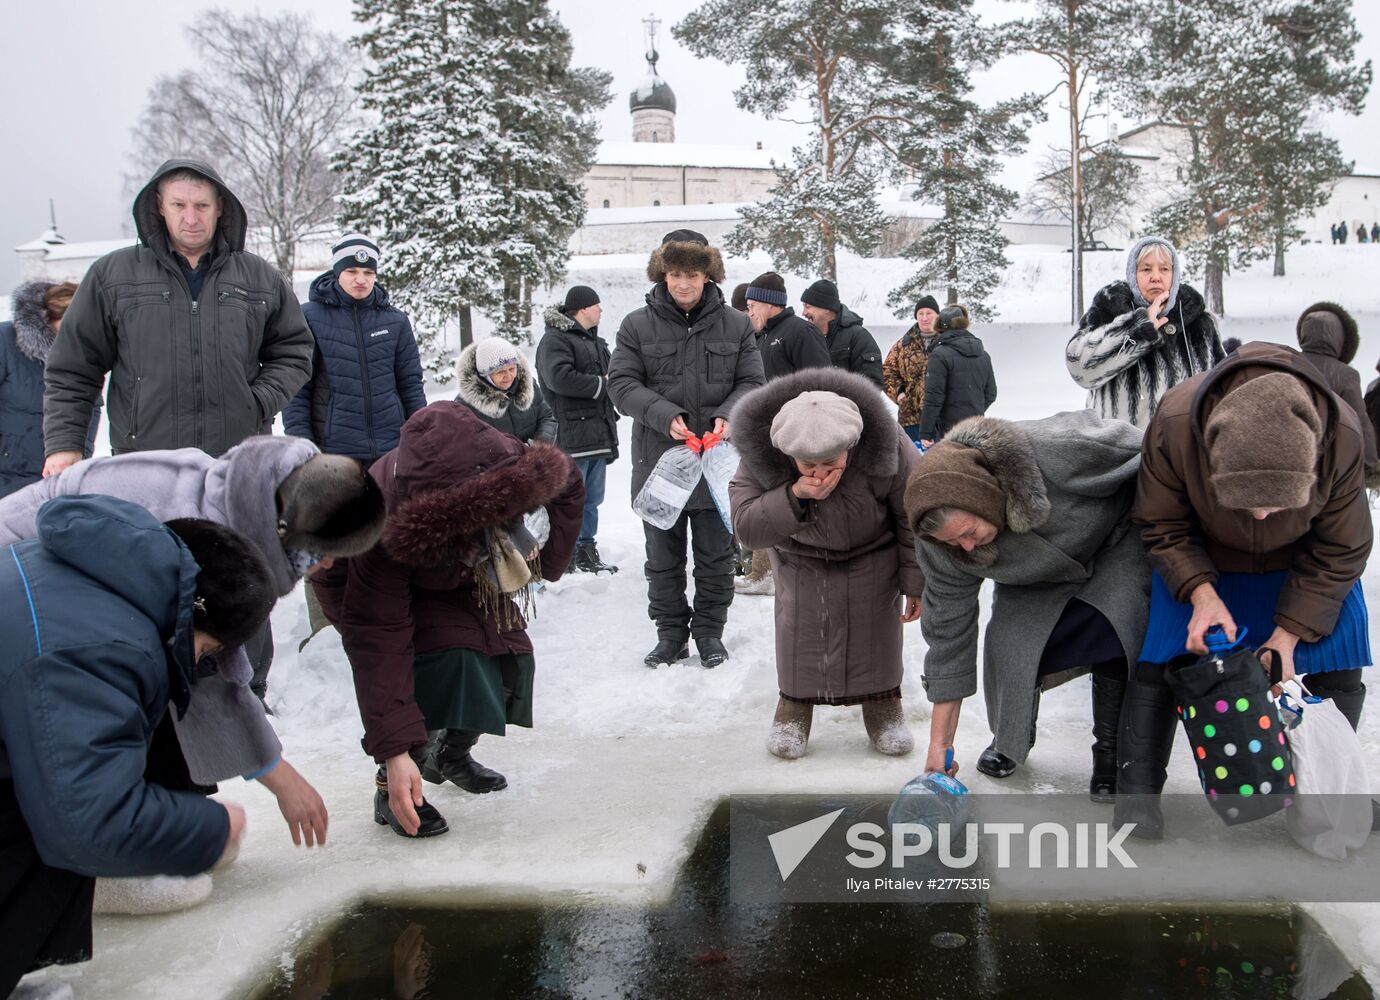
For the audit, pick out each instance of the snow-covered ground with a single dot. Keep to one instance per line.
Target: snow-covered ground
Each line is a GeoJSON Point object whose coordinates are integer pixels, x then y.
{"type": "Point", "coordinates": [609, 789]}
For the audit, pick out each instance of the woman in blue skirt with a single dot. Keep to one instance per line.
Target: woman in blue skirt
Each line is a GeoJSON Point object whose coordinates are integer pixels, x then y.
{"type": "Point", "coordinates": [1252, 503]}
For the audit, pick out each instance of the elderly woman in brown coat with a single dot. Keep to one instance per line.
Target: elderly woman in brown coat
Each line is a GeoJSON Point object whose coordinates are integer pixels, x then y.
{"type": "Point", "coordinates": [1252, 503]}
{"type": "Point", "coordinates": [822, 485]}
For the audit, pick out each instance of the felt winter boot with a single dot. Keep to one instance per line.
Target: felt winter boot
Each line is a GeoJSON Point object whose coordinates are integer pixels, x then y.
{"type": "Point", "coordinates": [450, 760]}
{"type": "Point", "coordinates": [1107, 696]}
{"type": "Point", "coordinates": [759, 579]}
{"type": "Point", "coordinates": [144, 895]}
{"type": "Point", "coordinates": [1143, 746]}
{"type": "Point", "coordinates": [790, 729]}
{"type": "Point", "coordinates": [886, 727]}
{"type": "Point", "coordinates": [433, 824]}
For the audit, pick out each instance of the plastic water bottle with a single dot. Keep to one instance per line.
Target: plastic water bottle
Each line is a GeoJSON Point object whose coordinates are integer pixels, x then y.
{"type": "Point", "coordinates": [667, 490]}
{"type": "Point", "coordinates": [931, 799]}
{"type": "Point", "coordinates": [720, 462]}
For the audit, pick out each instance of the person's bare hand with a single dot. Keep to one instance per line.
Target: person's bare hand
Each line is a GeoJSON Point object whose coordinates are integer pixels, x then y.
{"type": "Point", "coordinates": [232, 842]}
{"type": "Point", "coordinates": [679, 431]}
{"type": "Point", "coordinates": [300, 804]}
{"type": "Point", "coordinates": [411, 963]}
{"type": "Point", "coordinates": [812, 488]}
{"type": "Point", "coordinates": [912, 610]}
{"type": "Point", "coordinates": [1281, 643]}
{"type": "Point", "coordinates": [58, 461]}
{"type": "Point", "coordinates": [1155, 308]}
{"type": "Point", "coordinates": [405, 792]}
{"type": "Point", "coordinates": [927, 444]}
{"type": "Point", "coordinates": [1208, 610]}
{"type": "Point", "coordinates": [934, 761]}
{"type": "Point", "coordinates": [721, 427]}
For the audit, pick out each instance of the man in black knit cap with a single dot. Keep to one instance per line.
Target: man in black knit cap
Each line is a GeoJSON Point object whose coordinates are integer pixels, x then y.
{"type": "Point", "coordinates": [851, 346]}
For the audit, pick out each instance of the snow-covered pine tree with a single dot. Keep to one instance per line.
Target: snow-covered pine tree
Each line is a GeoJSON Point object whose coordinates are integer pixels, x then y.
{"type": "Point", "coordinates": [1242, 77]}
{"type": "Point", "coordinates": [417, 177]}
{"type": "Point", "coordinates": [1084, 39]}
{"type": "Point", "coordinates": [836, 61]}
{"type": "Point", "coordinates": [949, 150]}
{"type": "Point", "coordinates": [547, 136]}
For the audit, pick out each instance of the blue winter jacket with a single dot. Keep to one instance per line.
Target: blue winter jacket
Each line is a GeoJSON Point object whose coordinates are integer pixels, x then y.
{"type": "Point", "coordinates": [24, 344]}
{"type": "Point", "coordinates": [86, 673]}
{"type": "Point", "coordinates": [366, 377]}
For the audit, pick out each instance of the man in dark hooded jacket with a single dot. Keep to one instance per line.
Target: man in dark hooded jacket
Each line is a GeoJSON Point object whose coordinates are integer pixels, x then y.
{"type": "Point", "coordinates": [851, 345]}
{"type": "Point", "coordinates": [204, 343]}
{"type": "Point", "coordinates": [681, 363]}
{"type": "Point", "coordinates": [1329, 338]}
{"type": "Point", "coordinates": [959, 382]}
{"type": "Point", "coordinates": [111, 613]}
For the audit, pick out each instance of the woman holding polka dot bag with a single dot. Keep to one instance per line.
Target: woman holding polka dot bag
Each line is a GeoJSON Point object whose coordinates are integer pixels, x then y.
{"type": "Point", "coordinates": [1251, 501]}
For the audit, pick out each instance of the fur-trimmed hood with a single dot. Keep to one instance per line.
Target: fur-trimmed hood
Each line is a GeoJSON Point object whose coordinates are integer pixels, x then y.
{"type": "Point", "coordinates": [1343, 349]}
{"type": "Point", "coordinates": [452, 477]}
{"type": "Point", "coordinates": [873, 455]}
{"type": "Point", "coordinates": [557, 320]}
{"type": "Point", "coordinates": [1007, 453]}
{"type": "Point", "coordinates": [32, 333]}
{"type": "Point", "coordinates": [473, 390]}
{"type": "Point", "coordinates": [677, 256]}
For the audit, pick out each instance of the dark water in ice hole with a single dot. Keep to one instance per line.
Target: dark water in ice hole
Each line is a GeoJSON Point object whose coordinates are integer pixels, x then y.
{"type": "Point", "coordinates": [700, 945]}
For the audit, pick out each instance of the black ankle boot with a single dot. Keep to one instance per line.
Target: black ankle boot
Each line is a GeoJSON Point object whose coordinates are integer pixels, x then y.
{"type": "Point", "coordinates": [712, 651]}
{"type": "Point", "coordinates": [995, 764]}
{"type": "Point", "coordinates": [667, 651]}
{"type": "Point", "coordinates": [1107, 696]}
{"type": "Point", "coordinates": [451, 761]}
{"type": "Point", "coordinates": [433, 824]}
{"type": "Point", "coordinates": [1143, 746]}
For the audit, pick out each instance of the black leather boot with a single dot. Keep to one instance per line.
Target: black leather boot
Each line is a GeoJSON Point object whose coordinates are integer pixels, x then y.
{"type": "Point", "coordinates": [995, 764]}
{"type": "Point", "coordinates": [433, 823]}
{"type": "Point", "coordinates": [667, 651]}
{"type": "Point", "coordinates": [1107, 696]}
{"type": "Point", "coordinates": [712, 650]}
{"type": "Point", "coordinates": [588, 560]}
{"type": "Point", "coordinates": [1143, 746]}
{"type": "Point", "coordinates": [451, 761]}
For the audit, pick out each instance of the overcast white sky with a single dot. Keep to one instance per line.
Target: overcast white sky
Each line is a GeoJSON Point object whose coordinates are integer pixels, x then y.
{"type": "Point", "coordinates": [77, 74]}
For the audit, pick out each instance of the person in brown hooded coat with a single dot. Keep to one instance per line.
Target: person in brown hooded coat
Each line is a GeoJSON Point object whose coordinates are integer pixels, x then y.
{"type": "Point", "coordinates": [821, 485]}
{"type": "Point", "coordinates": [1252, 504]}
{"type": "Point", "coordinates": [430, 616]}
{"type": "Point", "coordinates": [1329, 338]}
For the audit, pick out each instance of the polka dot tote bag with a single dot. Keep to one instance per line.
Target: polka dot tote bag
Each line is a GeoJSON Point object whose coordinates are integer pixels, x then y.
{"type": "Point", "coordinates": [1238, 742]}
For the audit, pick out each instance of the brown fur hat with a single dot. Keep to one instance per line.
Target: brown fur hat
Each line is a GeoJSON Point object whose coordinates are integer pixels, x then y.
{"type": "Point", "coordinates": [685, 250]}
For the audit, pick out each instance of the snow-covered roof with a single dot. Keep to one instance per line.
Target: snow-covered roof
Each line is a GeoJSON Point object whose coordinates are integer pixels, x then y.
{"type": "Point", "coordinates": [86, 249]}
{"type": "Point", "coordinates": [661, 213]}
{"type": "Point", "coordinates": [682, 154]}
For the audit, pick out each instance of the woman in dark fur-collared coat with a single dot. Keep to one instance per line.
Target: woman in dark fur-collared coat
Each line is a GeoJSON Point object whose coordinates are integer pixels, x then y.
{"type": "Point", "coordinates": [497, 384]}
{"type": "Point", "coordinates": [432, 617]}
{"type": "Point", "coordinates": [1142, 336]}
{"type": "Point", "coordinates": [821, 485]}
{"type": "Point", "coordinates": [37, 308]}
{"type": "Point", "coordinates": [1329, 339]}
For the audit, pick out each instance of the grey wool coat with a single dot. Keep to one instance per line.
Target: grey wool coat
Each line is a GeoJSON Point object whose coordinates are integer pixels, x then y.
{"type": "Point", "coordinates": [841, 564]}
{"type": "Point", "coordinates": [1069, 481]}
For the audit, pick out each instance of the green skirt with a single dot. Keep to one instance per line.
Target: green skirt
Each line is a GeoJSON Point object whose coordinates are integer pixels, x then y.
{"type": "Point", "coordinates": [465, 689]}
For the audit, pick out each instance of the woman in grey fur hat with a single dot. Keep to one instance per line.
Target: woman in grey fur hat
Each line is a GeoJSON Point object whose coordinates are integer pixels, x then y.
{"type": "Point", "coordinates": [37, 308]}
{"type": "Point", "coordinates": [1142, 336]}
{"type": "Point", "coordinates": [821, 485]}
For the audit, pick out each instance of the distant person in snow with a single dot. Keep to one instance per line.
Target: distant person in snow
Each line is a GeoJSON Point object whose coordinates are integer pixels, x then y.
{"type": "Point", "coordinates": [903, 371]}
{"type": "Point", "coordinates": [495, 381]}
{"type": "Point", "coordinates": [821, 488]}
{"type": "Point", "coordinates": [959, 381]}
{"type": "Point", "coordinates": [1142, 336]}
{"type": "Point", "coordinates": [111, 612]}
{"type": "Point", "coordinates": [1375, 232]}
{"type": "Point", "coordinates": [851, 346]}
{"type": "Point", "coordinates": [573, 362]}
{"type": "Point", "coordinates": [1342, 230]}
{"type": "Point", "coordinates": [366, 376]}
{"type": "Point", "coordinates": [36, 309]}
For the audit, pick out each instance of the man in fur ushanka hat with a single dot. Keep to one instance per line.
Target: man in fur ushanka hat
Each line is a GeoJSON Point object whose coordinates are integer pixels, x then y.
{"type": "Point", "coordinates": [680, 364]}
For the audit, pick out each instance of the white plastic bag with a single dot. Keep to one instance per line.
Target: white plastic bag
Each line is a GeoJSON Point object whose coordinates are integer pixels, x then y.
{"type": "Point", "coordinates": [667, 490]}
{"type": "Point", "coordinates": [720, 463]}
{"type": "Point", "coordinates": [1331, 813]}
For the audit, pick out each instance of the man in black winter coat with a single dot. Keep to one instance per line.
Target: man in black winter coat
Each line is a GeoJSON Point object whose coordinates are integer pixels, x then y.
{"type": "Point", "coordinates": [681, 363]}
{"type": "Point", "coordinates": [204, 342]}
{"type": "Point", "coordinates": [959, 382]}
{"type": "Point", "coordinates": [786, 342]}
{"type": "Point", "coordinates": [851, 346]}
{"type": "Point", "coordinates": [573, 365]}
